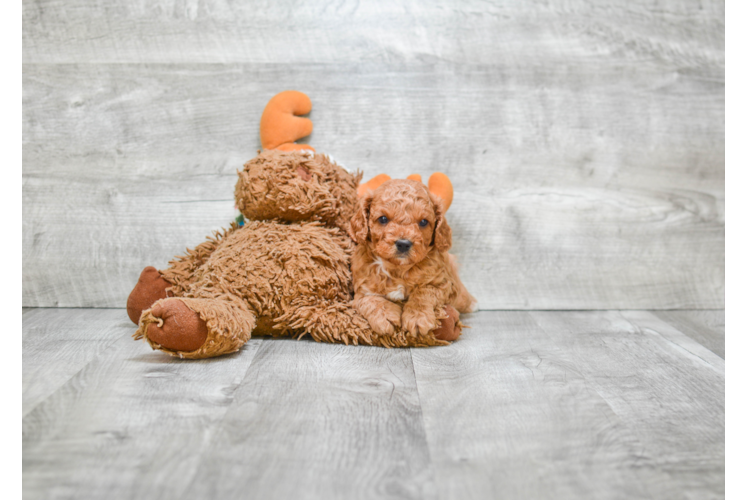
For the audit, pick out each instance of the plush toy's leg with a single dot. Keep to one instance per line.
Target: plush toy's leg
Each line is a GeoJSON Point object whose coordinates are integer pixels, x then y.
{"type": "Point", "coordinates": [202, 328]}
{"type": "Point", "coordinates": [450, 327]}
{"type": "Point", "coordinates": [153, 284]}
{"type": "Point", "coordinates": [151, 287]}
{"type": "Point", "coordinates": [196, 328]}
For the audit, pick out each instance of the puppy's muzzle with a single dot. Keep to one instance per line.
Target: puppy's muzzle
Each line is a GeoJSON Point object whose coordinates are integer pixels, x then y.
{"type": "Point", "coordinates": [403, 245]}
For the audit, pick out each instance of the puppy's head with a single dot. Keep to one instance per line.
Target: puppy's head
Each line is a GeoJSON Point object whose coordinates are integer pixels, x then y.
{"type": "Point", "coordinates": [401, 222]}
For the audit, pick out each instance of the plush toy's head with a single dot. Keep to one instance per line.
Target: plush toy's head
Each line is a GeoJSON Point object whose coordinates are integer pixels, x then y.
{"type": "Point", "coordinates": [295, 186]}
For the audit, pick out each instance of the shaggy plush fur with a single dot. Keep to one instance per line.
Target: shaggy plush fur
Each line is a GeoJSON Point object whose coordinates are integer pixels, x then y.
{"type": "Point", "coordinates": [402, 274]}
{"type": "Point", "coordinates": [285, 272]}
{"type": "Point", "coordinates": [296, 187]}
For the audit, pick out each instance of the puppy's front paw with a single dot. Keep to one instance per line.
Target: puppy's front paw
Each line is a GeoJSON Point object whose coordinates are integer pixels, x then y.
{"type": "Point", "coordinates": [418, 322]}
{"type": "Point", "coordinates": [386, 320]}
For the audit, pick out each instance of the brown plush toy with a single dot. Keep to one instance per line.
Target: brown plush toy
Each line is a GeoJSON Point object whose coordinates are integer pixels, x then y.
{"type": "Point", "coordinates": [285, 272]}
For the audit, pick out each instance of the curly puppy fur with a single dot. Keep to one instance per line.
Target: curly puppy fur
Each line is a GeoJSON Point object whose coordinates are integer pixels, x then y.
{"type": "Point", "coordinates": [402, 274]}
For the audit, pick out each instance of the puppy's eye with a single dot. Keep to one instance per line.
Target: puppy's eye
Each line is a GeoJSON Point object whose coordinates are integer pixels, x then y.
{"type": "Point", "coordinates": [424, 223]}
{"type": "Point", "coordinates": [383, 219]}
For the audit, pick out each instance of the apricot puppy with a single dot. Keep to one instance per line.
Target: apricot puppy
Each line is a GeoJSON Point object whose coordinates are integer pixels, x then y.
{"type": "Point", "coordinates": [402, 274]}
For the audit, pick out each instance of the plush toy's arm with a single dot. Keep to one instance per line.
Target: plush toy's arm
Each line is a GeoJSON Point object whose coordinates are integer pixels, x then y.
{"type": "Point", "coordinates": [281, 124]}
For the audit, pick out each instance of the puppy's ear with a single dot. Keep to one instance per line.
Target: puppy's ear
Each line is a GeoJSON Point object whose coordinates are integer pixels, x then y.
{"type": "Point", "coordinates": [442, 237]}
{"type": "Point", "coordinates": [359, 228]}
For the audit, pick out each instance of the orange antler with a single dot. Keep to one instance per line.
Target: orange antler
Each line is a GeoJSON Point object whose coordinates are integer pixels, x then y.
{"type": "Point", "coordinates": [281, 125]}
{"type": "Point", "coordinates": [441, 186]}
{"type": "Point", "coordinates": [372, 184]}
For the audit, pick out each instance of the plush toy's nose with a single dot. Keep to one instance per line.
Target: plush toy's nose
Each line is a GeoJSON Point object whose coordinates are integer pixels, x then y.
{"type": "Point", "coordinates": [403, 245]}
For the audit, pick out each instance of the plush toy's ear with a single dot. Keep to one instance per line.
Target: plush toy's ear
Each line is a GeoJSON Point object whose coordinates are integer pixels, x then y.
{"type": "Point", "coordinates": [442, 238]}
{"type": "Point", "coordinates": [372, 184]}
{"type": "Point", "coordinates": [415, 177]}
{"type": "Point", "coordinates": [280, 124]}
{"type": "Point", "coordinates": [441, 186]}
{"type": "Point", "coordinates": [359, 228]}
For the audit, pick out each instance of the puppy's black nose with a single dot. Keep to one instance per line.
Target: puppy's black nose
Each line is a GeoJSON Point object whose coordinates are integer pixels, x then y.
{"type": "Point", "coordinates": [403, 245]}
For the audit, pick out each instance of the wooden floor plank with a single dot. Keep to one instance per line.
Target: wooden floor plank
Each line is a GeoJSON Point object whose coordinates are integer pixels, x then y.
{"type": "Point", "coordinates": [651, 323]}
{"type": "Point", "coordinates": [131, 424]}
{"type": "Point", "coordinates": [320, 421]}
{"type": "Point", "coordinates": [671, 399]}
{"type": "Point", "coordinates": [561, 405]}
{"type": "Point", "coordinates": [706, 327]}
{"type": "Point", "coordinates": [509, 415]}
{"type": "Point", "coordinates": [58, 343]}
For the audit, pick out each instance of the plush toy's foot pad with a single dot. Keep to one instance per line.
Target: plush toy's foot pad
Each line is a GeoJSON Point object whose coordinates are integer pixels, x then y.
{"type": "Point", "coordinates": [450, 326]}
{"type": "Point", "coordinates": [151, 287]}
{"type": "Point", "coordinates": [179, 328]}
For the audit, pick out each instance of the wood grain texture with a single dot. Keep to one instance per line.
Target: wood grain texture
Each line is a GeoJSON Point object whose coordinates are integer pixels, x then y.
{"type": "Point", "coordinates": [585, 139]}
{"type": "Point", "coordinates": [284, 32]}
{"type": "Point", "coordinates": [705, 327]}
{"type": "Point", "coordinates": [321, 421]}
{"type": "Point", "coordinates": [527, 236]}
{"type": "Point", "coordinates": [572, 405]}
{"type": "Point", "coordinates": [562, 405]}
{"type": "Point", "coordinates": [649, 322]}
{"type": "Point", "coordinates": [509, 414]}
{"type": "Point", "coordinates": [669, 391]}
{"type": "Point", "coordinates": [131, 424]}
{"type": "Point", "coordinates": [57, 344]}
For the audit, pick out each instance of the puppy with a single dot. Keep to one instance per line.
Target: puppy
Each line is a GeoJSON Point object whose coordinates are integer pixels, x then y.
{"type": "Point", "coordinates": [402, 274]}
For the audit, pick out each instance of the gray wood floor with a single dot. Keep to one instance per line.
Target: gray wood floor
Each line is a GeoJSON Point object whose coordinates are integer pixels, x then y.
{"type": "Point", "coordinates": [527, 404]}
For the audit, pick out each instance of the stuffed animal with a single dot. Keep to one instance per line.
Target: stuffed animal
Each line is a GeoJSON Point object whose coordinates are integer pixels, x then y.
{"type": "Point", "coordinates": [286, 271]}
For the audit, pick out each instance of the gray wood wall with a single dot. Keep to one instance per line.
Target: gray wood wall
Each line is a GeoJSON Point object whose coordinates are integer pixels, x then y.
{"type": "Point", "coordinates": [585, 139]}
